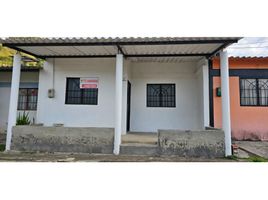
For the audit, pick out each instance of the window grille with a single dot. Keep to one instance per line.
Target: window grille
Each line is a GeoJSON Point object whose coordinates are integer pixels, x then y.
{"type": "Point", "coordinates": [27, 99]}
{"type": "Point", "coordinates": [161, 95]}
{"type": "Point", "coordinates": [75, 95]}
{"type": "Point", "coordinates": [254, 92]}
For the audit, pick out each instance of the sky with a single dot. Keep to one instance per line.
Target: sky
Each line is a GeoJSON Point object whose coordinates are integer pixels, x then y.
{"type": "Point", "coordinates": [249, 47]}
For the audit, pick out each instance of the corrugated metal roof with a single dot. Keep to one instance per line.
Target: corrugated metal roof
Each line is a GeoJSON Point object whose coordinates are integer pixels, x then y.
{"type": "Point", "coordinates": [163, 49]}
{"type": "Point", "coordinates": [41, 40]}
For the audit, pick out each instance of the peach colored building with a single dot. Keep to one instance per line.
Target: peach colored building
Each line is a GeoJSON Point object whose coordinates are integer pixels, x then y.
{"type": "Point", "coordinates": [248, 97]}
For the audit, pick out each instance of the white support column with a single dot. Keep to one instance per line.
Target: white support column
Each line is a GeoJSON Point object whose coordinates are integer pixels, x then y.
{"type": "Point", "coordinates": [225, 101]}
{"type": "Point", "coordinates": [14, 94]}
{"type": "Point", "coordinates": [205, 94]}
{"type": "Point", "coordinates": [118, 103]}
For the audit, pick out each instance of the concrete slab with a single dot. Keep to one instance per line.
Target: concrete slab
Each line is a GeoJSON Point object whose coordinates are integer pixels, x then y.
{"type": "Point", "coordinates": [258, 148]}
{"type": "Point", "coordinates": [140, 137]}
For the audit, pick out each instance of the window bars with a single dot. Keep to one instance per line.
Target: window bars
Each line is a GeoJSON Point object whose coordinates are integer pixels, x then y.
{"type": "Point", "coordinates": [254, 92]}
{"type": "Point", "coordinates": [27, 99]}
{"type": "Point", "coordinates": [76, 95]}
{"type": "Point", "coordinates": [161, 95]}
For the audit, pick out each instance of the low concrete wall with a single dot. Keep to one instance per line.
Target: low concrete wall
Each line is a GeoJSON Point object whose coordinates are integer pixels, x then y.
{"type": "Point", "coordinates": [62, 139]}
{"type": "Point", "coordinates": [205, 143]}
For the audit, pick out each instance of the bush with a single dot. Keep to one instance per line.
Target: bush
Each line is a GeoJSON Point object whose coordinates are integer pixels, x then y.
{"type": "Point", "coordinates": [23, 119]}
{"type": "Point", "coordinates": [2, 147]}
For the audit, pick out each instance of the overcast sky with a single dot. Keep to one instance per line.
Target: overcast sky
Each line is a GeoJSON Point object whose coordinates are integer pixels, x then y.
{"type": "Point", "coordinates": [249, 46]}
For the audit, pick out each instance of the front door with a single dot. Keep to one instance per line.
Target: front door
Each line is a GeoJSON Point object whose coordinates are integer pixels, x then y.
{"type": "Point", "coordinates": [128, 105]}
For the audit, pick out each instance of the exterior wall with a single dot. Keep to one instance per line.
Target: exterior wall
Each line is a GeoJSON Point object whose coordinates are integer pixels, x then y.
{"type": "Point", "coordinates": [243, 63]}
{"type": "Point", "coordinates": [28, 79]}
{"type": "Point", "coordinates": [62, 139]}
{"type": "Point", "coordinates": [54, 110]}
{"type": "Point", "coordinates": [186, 114]}
{"type": "Point", "coordinates": [205, 143]}
{"type": "Point", "coordinates": [247, 122]}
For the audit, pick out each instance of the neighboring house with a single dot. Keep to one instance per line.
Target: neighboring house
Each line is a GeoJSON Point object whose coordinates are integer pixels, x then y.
{"type": "Point", "coordinates": [28, 92]}
{"type": "Point", "coordinates": [248, 97]}
{"type": "Point", "coordinates": [125, 85]}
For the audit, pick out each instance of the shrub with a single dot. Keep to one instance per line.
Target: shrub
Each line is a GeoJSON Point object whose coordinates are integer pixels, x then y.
{"type": "Point", "coordinates": [23, 119]}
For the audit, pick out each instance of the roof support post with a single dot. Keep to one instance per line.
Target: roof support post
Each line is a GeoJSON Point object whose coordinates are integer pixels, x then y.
{"type": "Point", "coordinates": [14, 94]}
{"type": "Point", "coordinates": [118, 103]}
{"type": "Point", "coordinates": [205, 79]}
{"type": "Point", "coordinates": [226, 118]}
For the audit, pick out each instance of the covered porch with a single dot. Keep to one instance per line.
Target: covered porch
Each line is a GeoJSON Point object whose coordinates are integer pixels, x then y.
{"type": "Point", "coordinates": [141, 68]}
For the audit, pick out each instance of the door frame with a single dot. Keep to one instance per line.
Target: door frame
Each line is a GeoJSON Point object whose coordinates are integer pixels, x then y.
{"type": "Point", "coordinates": [128, 106]}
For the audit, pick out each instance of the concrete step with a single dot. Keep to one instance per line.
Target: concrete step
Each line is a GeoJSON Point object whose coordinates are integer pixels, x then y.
{"type": "Point", "coordinates": [139, 149]}
{"type": "Point", "coordinates": [144, 138]}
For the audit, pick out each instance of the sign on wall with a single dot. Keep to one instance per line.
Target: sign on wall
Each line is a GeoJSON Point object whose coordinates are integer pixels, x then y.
{"type": "Point", "coordinates": [86, 83]}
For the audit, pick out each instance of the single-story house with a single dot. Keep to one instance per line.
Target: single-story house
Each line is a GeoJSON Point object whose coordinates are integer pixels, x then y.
{"type": "Point", "coordinates": [248, 97]}
{"type": "Point", "coordinates": [109, 87]}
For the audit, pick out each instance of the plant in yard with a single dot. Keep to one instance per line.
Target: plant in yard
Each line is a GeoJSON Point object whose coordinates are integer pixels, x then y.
{"type": "Point", "coordinates": [2, 147]}
{"type": "Point", "coordinates": [23, 119]}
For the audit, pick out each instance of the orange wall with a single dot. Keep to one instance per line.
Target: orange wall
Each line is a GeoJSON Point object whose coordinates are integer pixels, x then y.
{"type": "Point", "coordinates": [247, 122]}
{"type": "Point", "coordinates": [243, 63]}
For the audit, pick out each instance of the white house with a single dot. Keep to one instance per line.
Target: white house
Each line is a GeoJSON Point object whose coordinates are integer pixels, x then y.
{"type": "Point", "coordinates": [129, 84]}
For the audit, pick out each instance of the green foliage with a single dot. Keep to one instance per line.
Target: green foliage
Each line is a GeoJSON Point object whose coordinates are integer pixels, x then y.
{"type": "Point", "coordinates": [2, 147]}
{"type": "Point", "coordinates": [6, 58]}
{"type": "Point", "coordinates": [23, 119]}
{"type": "Point", "coordinates": [257, 159]}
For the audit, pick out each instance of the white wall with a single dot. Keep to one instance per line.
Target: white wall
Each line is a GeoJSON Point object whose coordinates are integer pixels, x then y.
{"type": "Point", "coordinates": [54, 110]}
{"type": "Point", "coordinates": [186, 114]}
{"type": "Point", "coordinates": [5, 81]}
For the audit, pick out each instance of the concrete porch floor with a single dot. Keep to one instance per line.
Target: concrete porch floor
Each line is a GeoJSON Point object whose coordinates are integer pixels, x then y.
{"type": "Point", "coordinates": [140, 138]}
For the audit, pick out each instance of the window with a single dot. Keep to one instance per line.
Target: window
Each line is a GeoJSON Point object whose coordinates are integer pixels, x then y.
{"type": "Point", "coordinates": [254, 92]}
{"type": "Point", "coordinates": [161, 95]}
{"type": "Point", "coordinates": [27, 99]}
{"type": "Point", "coordinates": [75, 95]}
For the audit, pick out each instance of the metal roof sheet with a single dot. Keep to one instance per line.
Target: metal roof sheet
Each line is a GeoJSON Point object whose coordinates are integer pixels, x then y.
{"type": "Point", "coordinates": [160, 49]}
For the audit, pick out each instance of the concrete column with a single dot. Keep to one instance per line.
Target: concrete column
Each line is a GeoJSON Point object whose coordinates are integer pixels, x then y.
{"type": "Point", "coordinates": [205, 94]}
{"type": "Point", "coordinates": [225, 101]}
{"type": "Point", "coordinates": [14, 95]}
{"type": "Point", "coordinates": [118, 102]}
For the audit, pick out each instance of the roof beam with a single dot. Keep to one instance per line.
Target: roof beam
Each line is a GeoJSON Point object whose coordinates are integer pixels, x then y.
{"type": "Point", "coordinates": [218, 49]}
{"type": "Point", "coordinates": [127, 55]}
{"type": "Point", "coordinates": [173, 42]}
{"type": "Point", "coordinates": [166, 55]}
{"type": "Point", "coordinates": [120, 50]}
{"type": "Point", "coordinates": [23, 51]}
{"type": "Point", "coordinates": [80, 56]}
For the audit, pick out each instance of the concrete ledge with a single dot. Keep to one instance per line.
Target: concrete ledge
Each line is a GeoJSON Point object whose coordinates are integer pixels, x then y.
{"type": "Point", "coordinates": [62, 139]}
{"type": "Point", "coordinates": [204, 143]}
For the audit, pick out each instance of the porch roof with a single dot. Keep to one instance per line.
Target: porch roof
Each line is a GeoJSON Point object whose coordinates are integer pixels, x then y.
{"type": "Point", "coordinates": [162, 49]}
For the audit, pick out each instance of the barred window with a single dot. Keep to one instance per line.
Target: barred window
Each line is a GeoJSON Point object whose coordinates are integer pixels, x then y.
{"type": "Point", "coordinates": [161, 95]}
{"type": "Point", "coordinates": [254, 92]}
{"type": "Point", "coordinates": [76, 95]}
{"type": "Point", "coordinates": [27, 99]}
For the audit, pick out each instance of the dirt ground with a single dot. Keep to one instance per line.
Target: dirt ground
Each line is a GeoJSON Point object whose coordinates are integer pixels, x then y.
{"type": "Point", "coordinates": [65, 157]}
{"type": "Point", "coordinates": [247, 149]}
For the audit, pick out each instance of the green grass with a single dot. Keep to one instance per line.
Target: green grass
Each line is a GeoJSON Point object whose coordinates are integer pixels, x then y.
{"type": "Point", "coordinates": [257, 159]}
{"type": "Point", "coordinates": [2, 147]}
{"type": "Point", "coordinates": [249, 159]}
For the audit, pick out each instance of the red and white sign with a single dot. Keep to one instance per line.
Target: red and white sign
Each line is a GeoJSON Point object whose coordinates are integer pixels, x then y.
{"type": "Point", "coordinates": [86, 83]}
